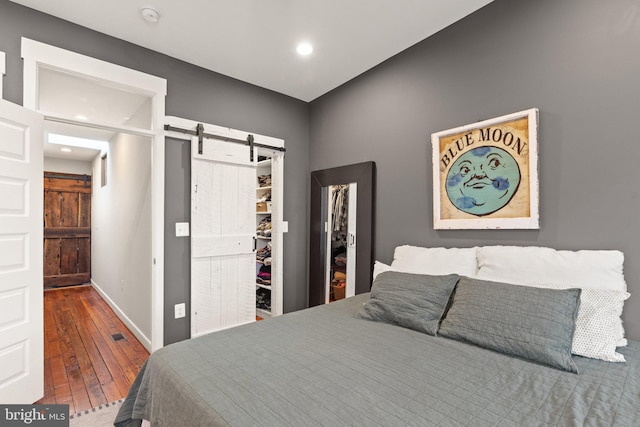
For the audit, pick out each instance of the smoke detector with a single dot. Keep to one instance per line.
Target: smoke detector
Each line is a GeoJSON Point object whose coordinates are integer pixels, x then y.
{"type": "Point", "coordinates": [150, 14]}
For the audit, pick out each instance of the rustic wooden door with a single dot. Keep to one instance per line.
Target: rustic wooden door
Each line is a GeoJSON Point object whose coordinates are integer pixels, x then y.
{"type": "Point", "coordinates": [67, 229]}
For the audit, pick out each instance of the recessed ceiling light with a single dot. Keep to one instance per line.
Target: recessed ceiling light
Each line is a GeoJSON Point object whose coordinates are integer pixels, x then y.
{"type": "Point", "coordinates": [81, 117]}
{"type": "Point", "coordinates": [65, 149]}
{"type": "Point", "coordinates": [70, 141]}
{"type": "Point", "coordinates": [150, 14]}
{"type": "Point", "coordinates": [304, 49]}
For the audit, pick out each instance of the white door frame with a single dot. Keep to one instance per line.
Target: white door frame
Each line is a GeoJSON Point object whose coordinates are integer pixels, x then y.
{"type": "Point", "coordinates": [3, 71]}
{"type": "Point", "coordinates": [37, 55]}
{"type": "Point", "coordinates": [352, 242]}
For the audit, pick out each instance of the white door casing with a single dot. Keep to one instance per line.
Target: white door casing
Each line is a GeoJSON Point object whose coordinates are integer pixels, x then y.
{"type": "Point", "coordinates": [277, 233]}
{"type": "Point", "coordinates": [223, 203]}
{"type": "Point", "coordinates": [2, 70]}
{"type": "Point", "coordinates": [37, 55]}
{"type": "Point", "coordinates": [21, 299]}
{"type": "Point", "coordinates": [351, 239]}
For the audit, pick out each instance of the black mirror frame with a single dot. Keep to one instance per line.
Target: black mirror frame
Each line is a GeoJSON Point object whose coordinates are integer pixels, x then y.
{"type": "Point", "coordinates": [363, 174]}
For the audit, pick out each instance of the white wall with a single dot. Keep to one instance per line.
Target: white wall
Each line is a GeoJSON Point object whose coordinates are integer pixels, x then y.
{"type": "Point", "coordinates": [54, 164]}
{"type": "Point", "coordinates": [121, 259]}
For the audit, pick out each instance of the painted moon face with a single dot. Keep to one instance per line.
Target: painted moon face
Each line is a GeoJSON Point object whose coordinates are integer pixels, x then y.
{"type": "Point", "coordinates": [483, 180]}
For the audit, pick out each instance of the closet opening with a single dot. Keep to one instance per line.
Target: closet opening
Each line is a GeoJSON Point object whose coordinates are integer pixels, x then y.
{"type": "Point", "coordinates": [263, 237]}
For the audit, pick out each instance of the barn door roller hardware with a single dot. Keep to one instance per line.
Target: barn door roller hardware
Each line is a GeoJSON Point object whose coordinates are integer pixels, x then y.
{"type": "Point", "coordinates": [85, 178]}
{"type": "Point", "coordinates": [201, 134]}
{"type": "Point", "coordinates": [251, 145]}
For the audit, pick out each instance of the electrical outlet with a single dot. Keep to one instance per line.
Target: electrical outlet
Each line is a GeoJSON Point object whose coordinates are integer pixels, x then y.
{"type": "Point", "coordinates": [122, 285]}
{"type": "Point", "coordinates": [180, 310]}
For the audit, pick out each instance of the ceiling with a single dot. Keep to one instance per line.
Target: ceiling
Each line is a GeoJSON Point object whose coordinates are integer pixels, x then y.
{"type": "Point", "coordinates": [69, 96]}
{"type": "Point", "coordinates": [255, 40]}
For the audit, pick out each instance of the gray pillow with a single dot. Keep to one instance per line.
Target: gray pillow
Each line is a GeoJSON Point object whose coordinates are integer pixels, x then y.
{"type": "Point", "coordinates": [414, 301]}
{"type": "Point", "coordinates": [532, 323]}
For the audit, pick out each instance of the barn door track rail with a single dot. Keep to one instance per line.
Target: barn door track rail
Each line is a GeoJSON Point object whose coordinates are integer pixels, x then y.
{"type": "Point", "coordinates": [201, 134]}
{"type": "Point", "coordinates": [71, 177]}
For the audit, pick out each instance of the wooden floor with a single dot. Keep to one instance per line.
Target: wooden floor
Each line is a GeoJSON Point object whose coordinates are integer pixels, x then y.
{"type": "Point", "coordinates": [84, 366]}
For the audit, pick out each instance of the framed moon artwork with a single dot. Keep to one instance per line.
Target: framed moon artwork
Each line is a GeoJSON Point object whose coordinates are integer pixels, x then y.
{"type": "Point", "coordinates": [485, 174]}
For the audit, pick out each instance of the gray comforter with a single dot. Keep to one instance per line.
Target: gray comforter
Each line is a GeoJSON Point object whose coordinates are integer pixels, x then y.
{"type": "Point", "coordinates": [323, 366]}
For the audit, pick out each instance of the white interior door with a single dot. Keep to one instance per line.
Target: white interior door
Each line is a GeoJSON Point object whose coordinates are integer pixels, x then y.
{"type": "Point", "coordinates": [21, 311]}
{"type": "Point", "coordinates": [223, 206]}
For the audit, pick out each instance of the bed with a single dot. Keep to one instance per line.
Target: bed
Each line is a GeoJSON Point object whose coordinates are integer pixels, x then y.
{"type": "Point", "coordinates": [333, 365]}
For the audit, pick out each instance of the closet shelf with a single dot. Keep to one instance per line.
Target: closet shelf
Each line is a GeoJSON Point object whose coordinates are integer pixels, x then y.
{"type": "Point", "coordinates": [268, 210]}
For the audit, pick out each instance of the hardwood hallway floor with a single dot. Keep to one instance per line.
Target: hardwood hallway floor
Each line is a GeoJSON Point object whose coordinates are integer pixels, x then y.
{"type": "Point", "coordinates": [84, 365]}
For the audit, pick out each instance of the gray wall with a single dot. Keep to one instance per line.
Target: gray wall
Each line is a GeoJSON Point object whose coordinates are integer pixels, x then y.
{"type": "Point", "coordinates": [575, 60]}
{"type": "Point", "coordinates": [178, 249]}
{"type": "Point", "coordinates": [197, 94]}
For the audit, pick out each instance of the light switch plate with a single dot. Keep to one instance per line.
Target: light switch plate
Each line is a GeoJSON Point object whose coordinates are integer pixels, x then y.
{"type": "Point", "coordinates": [182, 229]}
{"type": "Point", "coordinates": [180, 310]}
{"type": "Point", "coordinates": [285, 226]}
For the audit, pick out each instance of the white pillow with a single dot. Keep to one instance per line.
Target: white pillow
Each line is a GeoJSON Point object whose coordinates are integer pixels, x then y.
{"type": "Point", "coordinates": [523, 265]}
{"type": "Point", "coordinates": [598, 321]}
{"type": "Point", "coordinates": [380, 267]}
{"type": "Point", "coordinates": [435, 261]}
{"type": "Point", "coordinates": [530, 264]}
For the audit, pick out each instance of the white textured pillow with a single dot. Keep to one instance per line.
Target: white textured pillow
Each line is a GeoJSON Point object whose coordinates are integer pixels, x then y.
{"type": "Point", "coordinates": [523, 265]}
{"type": "Point", "coordinates": [435, 261]}
{"type": "Point", "coordinates": [530, 264]}
{"type": "Point", "coordinates": [380, 267]}
{"type": "Point", "coordinates": [596, 332]}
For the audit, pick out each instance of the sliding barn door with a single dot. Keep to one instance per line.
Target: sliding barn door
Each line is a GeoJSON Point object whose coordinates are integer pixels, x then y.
{"type": "Point", "coordinates": [223, 196]}
{"type": "Point", "coordinates": [67, 229]}
{"type": "Point", "coordinates": [21, 329]}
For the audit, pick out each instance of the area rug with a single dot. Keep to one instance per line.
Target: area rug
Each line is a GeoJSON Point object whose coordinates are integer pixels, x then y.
{"type": "Point", "coordinates": [100, 416]}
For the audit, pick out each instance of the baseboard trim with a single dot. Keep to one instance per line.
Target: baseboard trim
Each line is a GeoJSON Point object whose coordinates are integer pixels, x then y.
{"type": "Point", "coordinates": [146, 342]}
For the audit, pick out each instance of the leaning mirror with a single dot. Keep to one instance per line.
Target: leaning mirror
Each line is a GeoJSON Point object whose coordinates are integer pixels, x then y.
{"type": "Point", "coordinates": [341, 232]}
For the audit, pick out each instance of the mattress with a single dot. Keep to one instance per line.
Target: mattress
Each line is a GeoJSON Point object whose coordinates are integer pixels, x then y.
{"type": "Point", "coordinates": [323, 366]}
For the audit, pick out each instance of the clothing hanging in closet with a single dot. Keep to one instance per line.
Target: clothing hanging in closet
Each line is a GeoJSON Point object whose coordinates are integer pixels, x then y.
{"type": "Point", "coordinates": [339, 217]}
